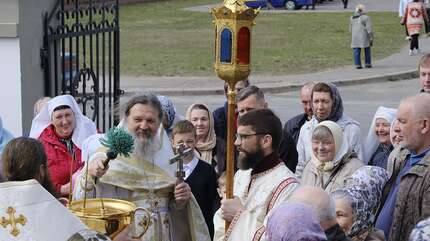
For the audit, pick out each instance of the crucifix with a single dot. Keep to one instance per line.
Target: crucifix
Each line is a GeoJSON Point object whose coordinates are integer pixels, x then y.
{"type": "Point", "coordinates": [181, 152]}
{"type": "Point", "coordinates": [12, 221]}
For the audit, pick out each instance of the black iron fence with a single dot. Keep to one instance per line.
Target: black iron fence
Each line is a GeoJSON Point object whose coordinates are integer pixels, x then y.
{"type": "Point", "coordinates": [80, 56]}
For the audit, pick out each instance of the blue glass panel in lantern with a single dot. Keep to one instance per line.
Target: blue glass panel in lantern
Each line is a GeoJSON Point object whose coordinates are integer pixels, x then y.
{"type": "Point", "coordinates": [225, 50]}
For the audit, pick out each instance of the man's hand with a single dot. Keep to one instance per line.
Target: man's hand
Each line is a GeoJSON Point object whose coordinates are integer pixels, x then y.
{"type": "Point", "coordinates": [96, 167]}
{"type": "Point", "coordinates": [182, 194]}
{"type": "Point", "coordinates": [230, 207]}
{"type": "Point", "coordinates": [125, 235]}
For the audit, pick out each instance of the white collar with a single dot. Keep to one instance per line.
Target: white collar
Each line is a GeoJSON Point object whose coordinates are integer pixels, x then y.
{"type": "Point", "coordinates": [189, 167]}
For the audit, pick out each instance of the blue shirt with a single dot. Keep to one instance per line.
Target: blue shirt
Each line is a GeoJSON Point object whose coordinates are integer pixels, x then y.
{"type": "Point", "coordinates": [385, 218]}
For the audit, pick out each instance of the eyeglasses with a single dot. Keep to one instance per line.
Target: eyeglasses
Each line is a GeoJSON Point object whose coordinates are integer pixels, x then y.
{"type": "Point", "coordinates": [241, 137]}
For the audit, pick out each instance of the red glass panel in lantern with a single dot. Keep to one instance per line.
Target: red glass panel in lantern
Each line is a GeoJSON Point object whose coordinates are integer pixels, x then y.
{"type": "Point", "coordinates": [243, 46]}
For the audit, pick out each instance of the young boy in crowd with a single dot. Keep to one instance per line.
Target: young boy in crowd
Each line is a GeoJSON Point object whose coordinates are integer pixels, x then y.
{"type": "Point", "coordinates": [199, 175]}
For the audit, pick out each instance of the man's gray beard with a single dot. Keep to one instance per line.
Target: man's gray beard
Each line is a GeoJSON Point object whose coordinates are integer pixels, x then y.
{"type": "Point", "coordinates": [146, 151]}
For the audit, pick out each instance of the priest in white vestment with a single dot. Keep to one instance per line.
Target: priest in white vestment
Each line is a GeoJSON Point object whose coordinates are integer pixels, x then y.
{"type": "Point", "coordinates": [30, 213]}
{"type": "Point", "coordinates": [262, 183]}
{"type": "Point", "coordinates": [146, 178]}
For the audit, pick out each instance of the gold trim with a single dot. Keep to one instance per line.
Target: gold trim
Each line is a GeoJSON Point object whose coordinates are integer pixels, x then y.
{"type": "Point", "coordinates": [12, 221]}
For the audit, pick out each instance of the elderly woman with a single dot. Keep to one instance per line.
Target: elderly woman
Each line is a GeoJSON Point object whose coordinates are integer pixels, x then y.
{"type": "Point", "coordinates": [362, 36]}
{"type": "Point", "coordinates": [294, 221]}
{"type": "Point", "coordinates": [332, 160]}
{"type": "Point", "coordinates": [62, 128]}
{"type": "Point", "coordinates": [357, 203]}
{"type": "Point", "coordinates": [378, 142]}
{"type": "Point", "coordinates": [211, 149]}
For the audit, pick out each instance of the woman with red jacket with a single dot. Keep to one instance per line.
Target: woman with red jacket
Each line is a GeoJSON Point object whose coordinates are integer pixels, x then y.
{"type": "Point", "coordinates": [62, 128]}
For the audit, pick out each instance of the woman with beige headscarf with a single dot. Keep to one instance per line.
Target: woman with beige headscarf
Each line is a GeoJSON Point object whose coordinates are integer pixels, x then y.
{"type": "Point", "coordinates": [210, 148]}
{"type": "Point", "coordinates": [332, 160]}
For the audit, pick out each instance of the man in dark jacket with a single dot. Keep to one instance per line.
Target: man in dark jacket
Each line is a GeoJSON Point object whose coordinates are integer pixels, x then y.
{"type": "Point", "coordinates": [293, 125]}
{"type": "Point", "coordinates": [325, 210]}
{"type": "Point", "coordinates": [251, 98]}
{"type": "Point", "coordinates": [408, 201]}
{"type": "Point", "coordinates": [220, 114]}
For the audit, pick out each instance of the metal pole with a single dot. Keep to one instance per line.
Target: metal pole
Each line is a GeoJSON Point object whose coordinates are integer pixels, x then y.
{"type": "Point", "coordinates": [231, 99]}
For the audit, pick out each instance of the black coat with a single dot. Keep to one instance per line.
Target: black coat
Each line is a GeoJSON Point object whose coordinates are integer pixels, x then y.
{"type": "Point", "coordinates": [288, 151]}
{"type": "Point", "coordinates": [294, 125]}
{"type": "Point", "coordinates": [336, 233]}
{"type": "Point", "coordinates": [220, 121]}
{"type": "Point", "coordinates": [203, 184]}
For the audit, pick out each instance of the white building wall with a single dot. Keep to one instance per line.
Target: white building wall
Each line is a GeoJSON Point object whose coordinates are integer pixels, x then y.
{"type": "Point", "coordinates": [10, 85]}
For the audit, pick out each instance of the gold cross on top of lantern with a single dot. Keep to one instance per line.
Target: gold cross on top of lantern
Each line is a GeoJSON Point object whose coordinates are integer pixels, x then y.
{"type": "Point", "coordinates": [233, 22]}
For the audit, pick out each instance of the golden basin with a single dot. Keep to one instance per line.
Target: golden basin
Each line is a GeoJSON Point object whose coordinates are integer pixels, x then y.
{"type": "Point", "coordinates": [109, 216]}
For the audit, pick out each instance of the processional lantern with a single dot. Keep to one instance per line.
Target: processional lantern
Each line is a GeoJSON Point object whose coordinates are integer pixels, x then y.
{"type": "Point", "coordinates": [233, 24]}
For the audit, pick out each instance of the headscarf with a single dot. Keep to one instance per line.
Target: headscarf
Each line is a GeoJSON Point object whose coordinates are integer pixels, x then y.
{"type": "Point", "coordinates": [169, 109]}
{"type": "Point", "coordinates": [365, 188]}
{"type": "Point", "coordinates": [5, 136]}
{"type": "Point", "coordinates": [341, 146]}
{"type": "Point", "coordinates": [421, 231]}
{"type": "Point", "coordinates": [337, 107]}
{"type": "Point", "coordinates": [84, 126]}
{"type": "Point", "coordinates": [205, 148]}
{"type": "Point", "coordinates": [294, 221]}
{"type": "Point", "coordinates": [372, 142]}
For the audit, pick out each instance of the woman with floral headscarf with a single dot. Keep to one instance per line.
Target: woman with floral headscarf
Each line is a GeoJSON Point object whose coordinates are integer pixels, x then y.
{"type": "Point", "coordinates": [357, 203]}
{"type": "Point", "coordinates": [332, 160]}
{"type": "Point", "coordinates": [378, 142]}
{"type": "Point", "coordinates": [211, 149]}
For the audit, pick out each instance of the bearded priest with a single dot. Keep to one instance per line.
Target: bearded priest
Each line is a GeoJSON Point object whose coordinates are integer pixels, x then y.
{"type": "Point", "coordinates": [262, 182]}
{"type": "Point", "coordinates": [145, 178]}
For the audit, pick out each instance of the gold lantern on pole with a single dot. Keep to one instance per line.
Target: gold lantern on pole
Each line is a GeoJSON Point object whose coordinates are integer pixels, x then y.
{"type": "Point", "coordinates": [233, 23]}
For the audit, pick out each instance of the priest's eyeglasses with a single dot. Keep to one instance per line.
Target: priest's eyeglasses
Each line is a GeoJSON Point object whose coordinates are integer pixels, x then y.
{"type": "Point", "coordinates": [241, 137]}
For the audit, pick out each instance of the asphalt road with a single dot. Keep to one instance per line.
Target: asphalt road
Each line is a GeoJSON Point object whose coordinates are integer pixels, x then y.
{"type": "Point", "coordinates": [360, 101]}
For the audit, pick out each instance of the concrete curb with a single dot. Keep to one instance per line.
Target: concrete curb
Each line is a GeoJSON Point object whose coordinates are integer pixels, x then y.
{"type": "Point", "coordinates": [279, 87]}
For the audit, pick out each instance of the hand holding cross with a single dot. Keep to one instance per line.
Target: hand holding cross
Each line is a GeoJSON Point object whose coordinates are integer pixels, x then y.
{"type": "Point", "coordinates": [181, 152]}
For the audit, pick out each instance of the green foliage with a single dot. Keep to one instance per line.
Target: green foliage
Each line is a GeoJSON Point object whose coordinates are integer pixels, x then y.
{"type": "Point", "coordinates": [163, 39]}
{"type": "Point", "coordinates": [118, 141]}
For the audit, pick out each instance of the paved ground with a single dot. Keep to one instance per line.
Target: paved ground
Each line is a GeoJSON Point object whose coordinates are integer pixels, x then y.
{"type": "Point", "coordinates": [396, 66]}
{"type": "Point", "coordinates": [360, 103]}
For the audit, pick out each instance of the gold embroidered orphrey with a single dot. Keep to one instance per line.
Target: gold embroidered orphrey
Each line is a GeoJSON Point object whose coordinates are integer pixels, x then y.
{"type": "Point", "coordinates": [13, 221]}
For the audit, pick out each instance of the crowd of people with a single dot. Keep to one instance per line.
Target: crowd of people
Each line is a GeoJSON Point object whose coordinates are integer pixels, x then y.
{"type": "Point", "coordinates": [315, 178]}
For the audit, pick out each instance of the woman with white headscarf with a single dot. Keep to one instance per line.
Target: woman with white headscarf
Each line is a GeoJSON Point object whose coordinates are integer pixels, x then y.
{"type": "Point", "coordinates": [357, 203]}
{"type": "Point", "coordinates": [62, 128]}
{"type": "Point", "coordinates": [211, 149]}
{"type": "Point", "coordinates": [332, 160]}
{"type": "Point", "coordinates": [378, 142]}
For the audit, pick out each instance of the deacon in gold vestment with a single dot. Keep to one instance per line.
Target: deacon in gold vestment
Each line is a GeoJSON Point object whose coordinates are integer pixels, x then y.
{"type": "Point", "coordinates": [262, 183]}
{"type": "Point", "coordinates": [146, 178]}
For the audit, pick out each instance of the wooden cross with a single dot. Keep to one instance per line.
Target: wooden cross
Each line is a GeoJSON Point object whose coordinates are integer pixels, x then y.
{"type": "Point", "coordinates": [12, 221]}
{"type": "Point", "coordinates": [181, 152]}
